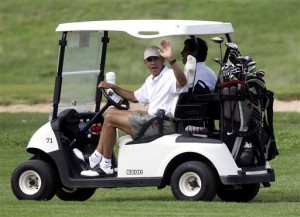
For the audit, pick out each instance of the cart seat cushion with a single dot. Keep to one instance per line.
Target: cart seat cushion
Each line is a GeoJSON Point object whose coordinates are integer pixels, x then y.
{"type": "Point", "coordinates": [124, 139]}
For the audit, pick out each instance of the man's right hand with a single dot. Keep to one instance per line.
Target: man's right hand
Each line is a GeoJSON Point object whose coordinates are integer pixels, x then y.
{"type": "Point", "coordinates": [106, 85]}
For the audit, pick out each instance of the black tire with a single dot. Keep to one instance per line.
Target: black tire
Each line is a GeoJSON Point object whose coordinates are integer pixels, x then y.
{"type": "Point", "coordinates": [194, 181]}
{"type": "Point", "coordinates": [34, 180]}
{"type": "Point", "coordinates": [240, 193]}
{"type": "Point", "coordinates": [75, 194]}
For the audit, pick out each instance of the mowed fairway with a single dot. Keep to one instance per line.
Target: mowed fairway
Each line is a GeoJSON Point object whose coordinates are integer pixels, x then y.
{"type": "Point", "coordinates": [268, 30]}
{"type": "Point", "coordinates": [281, 199]}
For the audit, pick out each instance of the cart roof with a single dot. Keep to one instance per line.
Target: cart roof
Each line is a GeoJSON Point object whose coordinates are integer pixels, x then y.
{"type": "Point", "coordinates": [151, 28]}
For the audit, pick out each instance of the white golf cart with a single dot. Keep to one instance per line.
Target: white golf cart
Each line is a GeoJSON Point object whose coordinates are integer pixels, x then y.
{"type": "Point", "coordinates": [198, 165]}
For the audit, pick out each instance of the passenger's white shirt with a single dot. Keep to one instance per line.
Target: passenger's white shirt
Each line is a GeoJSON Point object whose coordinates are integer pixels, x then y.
{"type": "Point", "coordinates": [205, 74]}
{"type": "Point", "coordinates": [159, 92]}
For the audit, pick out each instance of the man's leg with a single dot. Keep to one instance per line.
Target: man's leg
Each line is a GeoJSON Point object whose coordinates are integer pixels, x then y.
{"type": "Point", "coordinates": [101, 157]}
{"type": "Point", "coordinates": [114, 119]}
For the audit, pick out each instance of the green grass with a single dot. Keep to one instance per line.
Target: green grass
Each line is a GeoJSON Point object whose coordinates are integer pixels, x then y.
{"type": "Point", "coordinates": [281, 199]}
{"type": "Point", "coordinates": [267, 30]}
{"type": "Point", "coordinates": [26, 93]}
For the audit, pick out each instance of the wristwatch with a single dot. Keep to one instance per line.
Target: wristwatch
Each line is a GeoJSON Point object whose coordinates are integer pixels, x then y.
{"type": "Point", "coordinates": [172, 62]}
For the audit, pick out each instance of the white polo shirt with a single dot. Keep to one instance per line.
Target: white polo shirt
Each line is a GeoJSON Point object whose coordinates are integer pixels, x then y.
{"type": "Point", "coordinates": [205, 74]}
{"type": "Point", "coordinates": [159, 92]}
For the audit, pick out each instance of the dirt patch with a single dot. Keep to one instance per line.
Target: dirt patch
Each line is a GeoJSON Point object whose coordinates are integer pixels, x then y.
{"type": "Point", "coordinates": [290, 106]}
{"type": "Point", "coordinates": [279, 106]}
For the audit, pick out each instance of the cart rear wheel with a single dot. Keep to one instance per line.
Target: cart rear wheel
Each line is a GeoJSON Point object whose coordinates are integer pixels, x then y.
{"type": "Point", "coordinates": [34, 180]}
{"type": "Point", "coordinates": [75, 194]}
{"type": "Point", "coordinates": [240, 193]}
{"type": "Point", "coordinates": [194, 181]}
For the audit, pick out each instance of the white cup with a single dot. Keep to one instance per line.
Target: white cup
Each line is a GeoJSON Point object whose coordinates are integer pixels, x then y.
{"type": "Point", "coordinates": [111, 77]}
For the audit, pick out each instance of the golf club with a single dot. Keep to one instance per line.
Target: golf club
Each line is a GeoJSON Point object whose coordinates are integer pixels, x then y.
{"type": "Point", "coordinates": [219, 41]}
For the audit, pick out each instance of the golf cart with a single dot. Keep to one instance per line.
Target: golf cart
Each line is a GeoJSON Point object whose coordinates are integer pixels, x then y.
{"type": "Point", "coordinates": [198, 164]}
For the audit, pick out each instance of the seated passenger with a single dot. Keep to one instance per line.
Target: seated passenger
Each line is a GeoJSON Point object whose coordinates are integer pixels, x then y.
{"type": "Point", "coordinates": [158, 91]}
{"type": "Point", "coordinates": [205, 78]}
{"type": "Point", "coordinates": [198, 48]}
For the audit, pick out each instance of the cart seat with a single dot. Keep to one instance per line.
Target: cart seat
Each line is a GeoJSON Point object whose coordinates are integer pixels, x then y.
{"type": "Point", "coordinates": [124, 139]}
{"type": "Point", "coordinates": [195, 113]}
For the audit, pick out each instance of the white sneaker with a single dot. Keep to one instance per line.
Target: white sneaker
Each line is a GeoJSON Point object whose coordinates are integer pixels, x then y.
{"type": "Point", "coordinates": [98, 172]}
{"type": "Point", "coordinates": [84, 158]}
{"type": "Point", "coordinates": [108, 170]}
{"type": "Point", "coordinates": [78, 154]}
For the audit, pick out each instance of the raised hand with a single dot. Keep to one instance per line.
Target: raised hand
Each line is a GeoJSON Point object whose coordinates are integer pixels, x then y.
{"type": "Point", "coordinates": [166, 50]}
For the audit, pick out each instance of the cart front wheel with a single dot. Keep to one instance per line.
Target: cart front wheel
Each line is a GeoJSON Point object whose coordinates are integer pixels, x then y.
{"type": "Point", "coordinates": [34, 180]}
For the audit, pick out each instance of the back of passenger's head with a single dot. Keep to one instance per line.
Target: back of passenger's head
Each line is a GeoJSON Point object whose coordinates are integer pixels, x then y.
{"type": "Point", "coordinates": [202, 48]}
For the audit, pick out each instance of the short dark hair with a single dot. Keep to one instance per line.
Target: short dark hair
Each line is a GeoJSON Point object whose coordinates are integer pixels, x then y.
{"type": "Point", "coordinates": [201, 54]}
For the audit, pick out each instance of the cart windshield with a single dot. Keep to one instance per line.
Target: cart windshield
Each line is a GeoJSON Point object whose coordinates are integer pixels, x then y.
{"type": "Point", "coordinates": [80, 71]}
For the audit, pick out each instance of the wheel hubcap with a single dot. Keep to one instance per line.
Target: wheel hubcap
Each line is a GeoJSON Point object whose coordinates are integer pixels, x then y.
{"type": "Point", "coordinates": [190, 184]}
{"type": "Point", "coordinates": [30, 182]}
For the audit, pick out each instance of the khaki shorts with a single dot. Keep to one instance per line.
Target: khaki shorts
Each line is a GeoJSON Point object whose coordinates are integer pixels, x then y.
{"type": "Point", "coordinates": [137, 120]}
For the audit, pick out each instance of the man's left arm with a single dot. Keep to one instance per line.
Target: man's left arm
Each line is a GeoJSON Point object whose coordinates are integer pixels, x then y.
{"type": "Point", "coordinates": [167, 54]}
{"type": "Point", "coordinates": [179, 75]}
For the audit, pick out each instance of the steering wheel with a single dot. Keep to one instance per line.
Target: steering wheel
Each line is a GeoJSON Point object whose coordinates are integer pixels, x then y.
{"type": "Point", "coordinates": [114, 99]}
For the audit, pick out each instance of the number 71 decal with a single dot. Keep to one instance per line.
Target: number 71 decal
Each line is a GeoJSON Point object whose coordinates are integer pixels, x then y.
{"type": "Point", "coordinates": [49, 140]}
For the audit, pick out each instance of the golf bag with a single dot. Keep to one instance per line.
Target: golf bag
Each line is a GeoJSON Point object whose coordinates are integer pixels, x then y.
{"type": "Point", "coordinates": [262, 102]}
{"type": "Point", "coordinates": [248, 121]}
